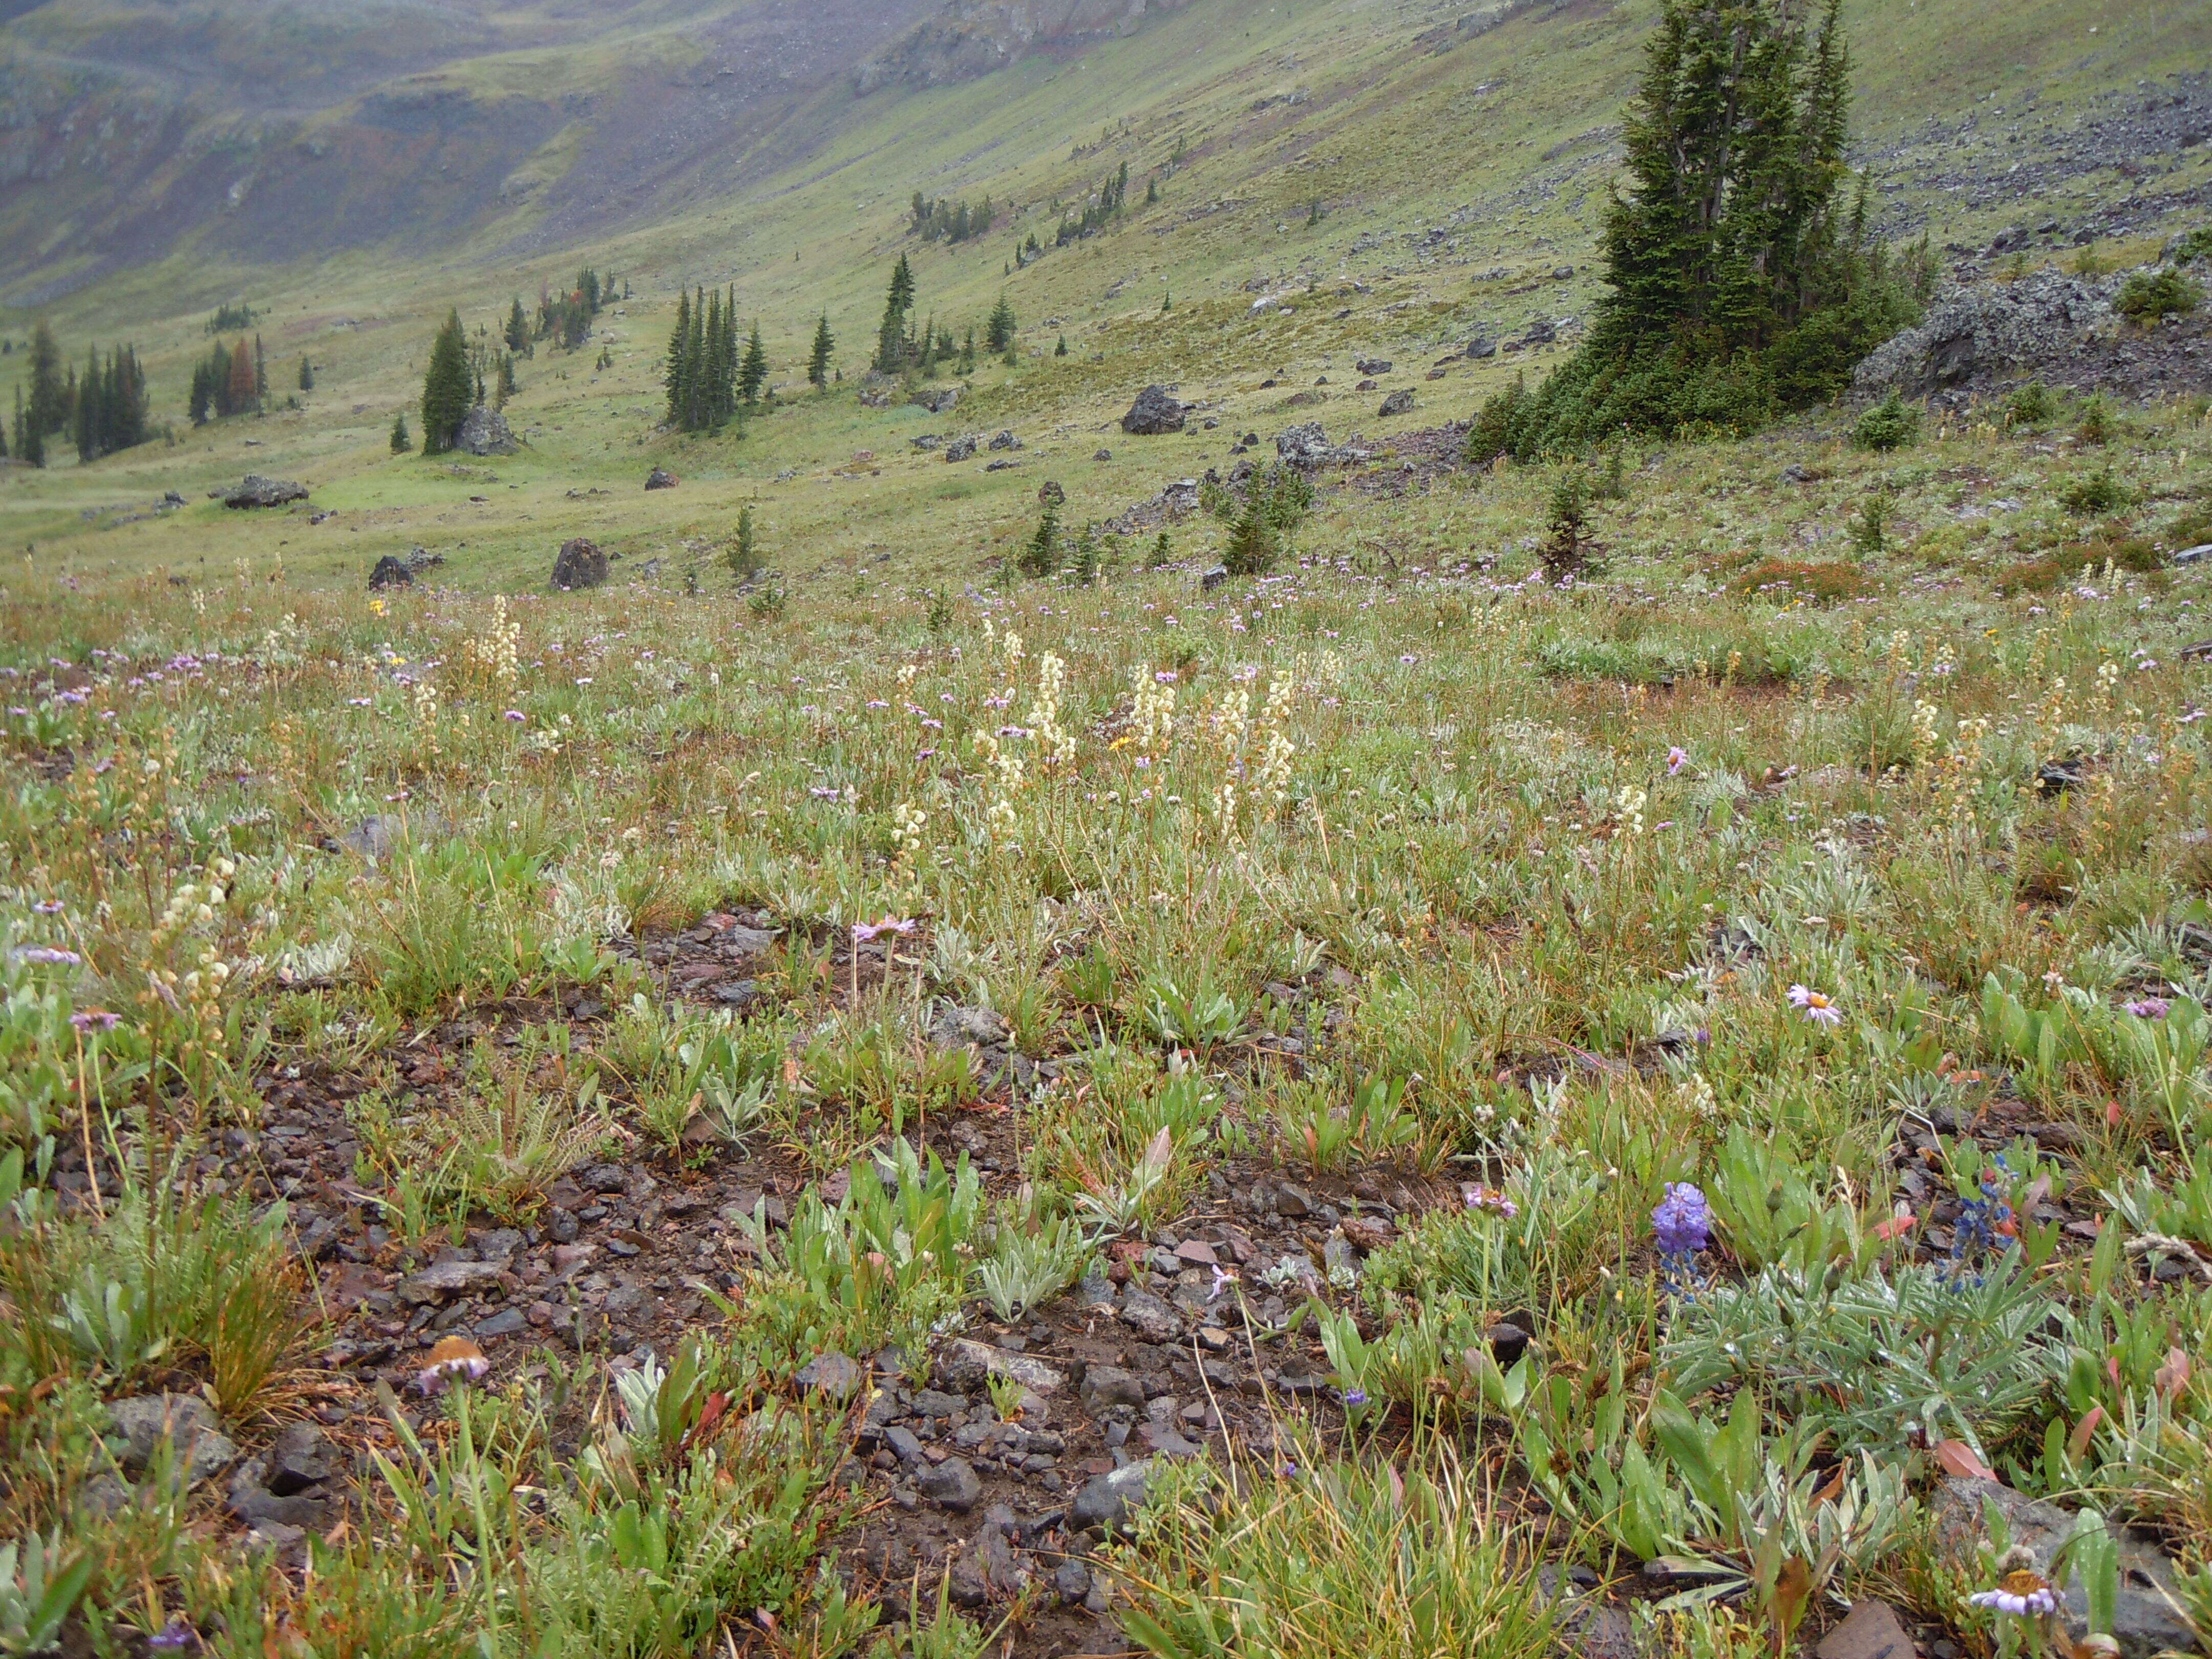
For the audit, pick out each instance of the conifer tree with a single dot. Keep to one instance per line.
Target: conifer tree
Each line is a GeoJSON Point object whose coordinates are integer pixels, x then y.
{"type": "Point", "coordinates": [744, 555]}
{"type": "Point", "coordinates": [752, 377]}
{"type": "Point", "coordinates": [30, 444]}
{"type": "Point", "coordinates": [260, 376]}
{"type": "Point", "coordinates": [999, 333]}
{"type": "Point", "coordinates": [240, 382]}
{"type": "Point", "coordinates": [203, 394]}
{"type": "Point", "coordinates": [517, 333]}
{"type": "Point", "coordinates": [49, 404]}
{"type": "Point", "coordinates": [893, 344]}
{"type": "Point", "coordinates": [401, 443]}
{"type": "Point", "coordinates": [818, 362]}
{"type": "Point", "coordinates": [446, 386]}
{"type": "Point", "coordinates": [3, 429]}
{"type": "Point", "coordinates": [87, 413]}
{"type": "Point", "coordinates": [679, 346]}
{"type": "Point", "coordinates": [307, 374]}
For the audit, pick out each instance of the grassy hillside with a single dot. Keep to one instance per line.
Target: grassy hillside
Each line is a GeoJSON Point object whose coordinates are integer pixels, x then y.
{"type": "Point", "coordinates": [1473, 1090]}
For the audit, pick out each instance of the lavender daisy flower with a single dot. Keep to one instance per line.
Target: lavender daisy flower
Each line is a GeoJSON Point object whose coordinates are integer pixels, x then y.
{"type": "Point", "coordinates": [1677, 758]}
{"type": "Point", "coordinates": [2149, 1007]}
{"type": "Point", "coordinates": [95, 1019]}
{"type": "Point", "coordinates": [1819, 1007]}
{"type": "Point", "coordinates": [178, 1635]}
{"type": "Point", "coordinates": [863, 932]}
{"type": "Point", "coordinates": [48, 956]}
{"type": "Point", "coordinates": [516, 715]}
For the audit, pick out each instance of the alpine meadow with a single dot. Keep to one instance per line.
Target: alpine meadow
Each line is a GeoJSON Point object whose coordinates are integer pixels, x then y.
{"type": "Point", "coordinates": [1212, 829]}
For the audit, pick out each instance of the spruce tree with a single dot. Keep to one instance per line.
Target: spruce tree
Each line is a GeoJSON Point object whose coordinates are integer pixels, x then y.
{"type": "Point", "coordinates": [892, 339]}
{"type": "Point", "coordinates": [745, 558]}
{"type": "Point", "coordinates": [818, 362]}
{"type": "Point", "coordinates": [447, 386]}
{"type": "Point", "coordinates": [87, 424]}
{"type": "Point", "coordinates": [752, 377]}
{"type": "Point", "coordinates": [30, 443]}
{"type": "Point", "coordinates": [260, 376]}
{"type": "Point", "coordinates": [49, 404]}
{"type": "Point", "coordinates": [3, 432]}
{"type": "Point", "coordinates": [240, 382]}
{"type": "Point", "coordinates": [679, 344]}
{"type": "Point", "coordinates": [517, 333]}
{"type": "Point", "coordinates": [307, 374]}
{"type": "Point", "coordinates": [998, 332]}
{"type": "Point", "coordinates": [401, 443]}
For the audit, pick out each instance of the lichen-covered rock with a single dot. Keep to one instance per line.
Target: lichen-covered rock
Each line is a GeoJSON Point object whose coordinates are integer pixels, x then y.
{"type": "Point", "coordinates": [580, 564]}
{"type": "Point", "coordinates": [1990, 328]}
{"type": "Point", "coordinates": [1155, 411]}
{"type": "Point", "coordinates": [484, 432]}
{"type": "Point", "coordinates": [256, 490]}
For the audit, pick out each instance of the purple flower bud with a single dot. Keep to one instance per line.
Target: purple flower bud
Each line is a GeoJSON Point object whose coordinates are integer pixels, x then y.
{"type": "Point", "coordinates": [1682, 1223]}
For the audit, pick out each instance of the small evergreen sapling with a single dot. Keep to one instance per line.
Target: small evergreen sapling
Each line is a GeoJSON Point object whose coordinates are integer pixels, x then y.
{"type": "Point", "coordinates": [401, 443]}
{"type": "Point", "coordinates": [744, 556]}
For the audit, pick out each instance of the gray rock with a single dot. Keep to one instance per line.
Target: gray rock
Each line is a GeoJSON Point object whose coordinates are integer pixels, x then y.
{"type": "Point", "coordinates": [1071, 1581]}
{"type": "Point", "coordinates": [1871, 1630]}
{"type": "Point", "coordinates": [967, 1366]}
{"type": "Point", "coordinates": [1103, 455]}
{"type": "Point", "coordinates": [441, 1281]}
{"type": "Point", "coordinates": [1294, 1202]}
{"type": "Point", "coordinates": [302, 1457]}
{"type": "Point", "coordinates": [1989, 329]}
{"type": "Point", "coordinates": [560, 1226]}
{"type": "Point", "coordinates": [960, 449]}
{"type": "Point", "coordinates": [606, 1178]}
{"type": "Point", "coordinates": [905, 1445]}
{"type": "Point", "coordinates": [484, 432]}
{"type": "Point", "coordinates": [831, 1372]}
{"type": "Point", "coordinates": [1400, 402]}
{"type": "Point", "coordinates": [2193, 555]}
{"type": "Point", "coordinates": [1105, 1387]}
{"type": "Point", "coordinates": [1167, 1441]}
{"type": "Point", "coordinates": [250, 1500]}
{"type": "Point", "coordinates": [1150, 1317]}
{"type": "Point", "coordinates": [105, 1493]}
{"type": "Point", "coordinates": [1003, 440]}
{"type": "Point", "coordinates": [2144, 1621]}
{"type": "Point", "coordinates": [935, 1402]}
{"type": "Point", "coordinates": [1154, 412]}
{"type": "Point", "coordinates": [952, 1485]}
{"type": "Point", "coordinates": [1539, 332]}
{"type": "Point", "coordinates": [508, 1322]}
{"type": "Point", "coordinates": [938, 400]}
{"type": "Point", "coordinates": [255, 490]}
{"type": "Point", "coordinates": [1303, 445]}
{"type": "Point", "coordinates": [1106, 1500]}
{"type": "Point", "coordinates": [1211, 579]}
{"type": "Point", "coordinates": [188, 1423]}
{"type": "Point", "coordinates": [1372, 364]}
{"type": "Point", "coordinates": [1481, 346]}
{"type": "Point", "coordinates": [579, 564]}
{"type": "Point", "coordinates": [955, 1027]}
{"type": "Point", "coordinates": [390, 571]}
{"type": "Point", "coordinates": [661, 478]}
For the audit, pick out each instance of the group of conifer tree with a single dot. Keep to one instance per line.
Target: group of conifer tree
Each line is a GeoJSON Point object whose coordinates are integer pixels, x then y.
{"type": "Point", "coordinates": [229, 380]}
{"type": "Point", "coordinates": [709, 377]}
{"type": "Point", "coordinates": [1741, 286]}
{"type": "Point", "coordinates": [900, 348]}
{"type": "Point", "coordinates": [102, 412]}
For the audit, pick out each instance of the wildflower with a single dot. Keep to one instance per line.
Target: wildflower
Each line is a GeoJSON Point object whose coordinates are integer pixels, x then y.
{"type": "Point", "coordinates": [1682, 1223]}
{"type": "Point", "coordinates": [1817, 1006]}
{"type": "Point", "coordinates": [2149, 1007]}
{"type": "Point", "coordinates": [454, 1360]}
{"type": "Point", "coordinates": [1491, 1202]}
{"type": "Point", "coordinates": [1677, 758]}
{"type": "Point", "coordinates": [95, 1019]}
{"type": "Point", "coordinates": [2024, 1593]}
{"type": "Point", "coordinates": [1408, 658]}
{"type": "Point", "coordinates": [178, 1635]}
{"type": "Point", "coordinates": [823, 792]}
{"type": "Point", "coordinates": [48, 907]}
{"type": "Point", "coordinates": [1354, 1399]}
{"type": "Point", "coordinates": [516, 715]}
{"type": "Point", "coordinates": [863, 932]}
{"type": "Point", "coordinates": [878, 702]}
{"type": "Point", "coordinates": [359, 702]}
{"type": "Point", "coordinates": [48, 956]}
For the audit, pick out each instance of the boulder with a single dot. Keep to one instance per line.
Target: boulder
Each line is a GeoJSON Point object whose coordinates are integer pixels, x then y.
{"type": "Point", "coordinates": [832, 1373]}
{"type": "Point", "coordinates": [952, 1485]}
{"type": "Point", "coordinates": [960, 449]}
{"type": "Point", "coordinates": [1106, 1501]}
{"type": "Point", "coordinates": [1481, 346]}
{"type": "Point", "coordinates": [390, 571]}
{"type": "Point", "coordinates": [255, 490]}
{"type": "Point", "coordinates": [1400, 402]}
{"type": "Point", "coordinates": [484, 432]}
{"type": "Point", "coordinates": [967, 1365]}
{"type": "Point", "coordinates": [1989, 330]}
{"type": "Point", "coordinates": [1373, 365]}
{"type": "Point", "coordinates": [580, 564]}
{"type": "Point", "coordinates": [201, 1447]}
{"type": "Point", "coordinates": [443, 1281]}
{"type": "Point", "coordinates": [1539, 332]}
{"type": "Point", "coordinates": [660, 479]}
{"type": "Point", "coordinates": [938, 400]}
{"type": "Point", "coordinates": [1005, 439]}
{"type": "Point", "coordinates": [2145, 1618]}
{"type": "Point", "coordinates": [1050, 494]}
{"type": "Point", "coordinates": [1303, 445]}
{"type": "Point", "coordinates": [1154, 412]}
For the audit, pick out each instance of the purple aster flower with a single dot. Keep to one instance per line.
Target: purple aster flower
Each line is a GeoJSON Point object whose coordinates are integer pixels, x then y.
{"type": "Point", "coordinates": [1819, 1007]}
{"type": "Point", "coordinates": [1354, 1399]}
{"type": "Point", "coordinates": [516, 715]}
{"type": "Point", "coordinates": [178, 1635]}
{"type": "Point", "coordinates": [1677, 758]}
{"type": "Point", "coordinates": [48, 907]}
{"type": "Point", "coordinates": [863, 932]}
{"type": "Point", "coordinates": [48, 956]}
{"type": "Point", "coordinates": [2149, 1007]}
{"type": "Point", "coordinates": [1682, 1223]}
{"type": "Point", "coordinates": [95, 1019]}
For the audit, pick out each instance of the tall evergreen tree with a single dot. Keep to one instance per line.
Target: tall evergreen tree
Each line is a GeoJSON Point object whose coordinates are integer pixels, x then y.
{"type": "Point", "coordinates": [517, 333]}
{"type": "Point", "coordinates": [240, 383]}
{"type": "Point", "coordinates": [447, 386]}
{"type": "Point", "coordinates": [752, 377]}
{"type": "Point", "coordinates": [30, 443]}
{"type": "Point", "coordinates": [679, 347]}
{"type": "Point", "coordinates": [49, 404]}
{"type": "Point", "coordinates": [307, 374]}
{"type": "Point", "coordinates": [998, 332]}
{"type": "Point", "coordinates": [203, 394]}
{"type": "Point", "coordinates": [87, 413]}
{"type": "Point", "coordinates": [260, 376]}
{"type": "Point", "coordinates": [401, 443]}
{"type": "Point", "coordinates": [893, 343]}
{"type": "Point", "coordinates": [3, 430]}
{"type": "Point", "coordinates": [817, 361]}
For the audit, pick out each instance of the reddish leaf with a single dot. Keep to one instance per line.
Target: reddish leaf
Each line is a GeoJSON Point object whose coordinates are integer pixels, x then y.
{"type": "Point", "coordinates": [1960, 1459]}
{"type": "Point", "coordinates": [2077, 1443]}
{"type": "Point", "coordinates": [2172, 1378]}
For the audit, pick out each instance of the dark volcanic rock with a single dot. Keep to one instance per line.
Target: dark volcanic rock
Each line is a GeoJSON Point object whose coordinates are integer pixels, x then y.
{"type": "Point", "coordinates": [258, 491]}
{"type": "Point", "coordinates": [1154, 412]}
{"type": "Point", "coordinates": [391, 571]}
{"type": "Point", "coordinates": [660, 479]}
{"type": "Point", "coordinates": [1107, 1500]}
{"type": "Point", "coordinates": [580, 564]}
{"type": "Point", "coordinates": [1400, 402]}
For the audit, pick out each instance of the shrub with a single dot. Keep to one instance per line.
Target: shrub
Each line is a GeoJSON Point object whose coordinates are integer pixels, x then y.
{"type": "Point", "coordinates": [2031, 405]}
{"type": "Point", "coordinates": [2096, 424]}
{"type": "Point", "coordinates": [1783, 579]}
{"type": "Point", "coordinates": [2097, 492]}
{"type": "Point", "coordinates": [2148, 296]}
{"type": "Point", "coordinates": [2196, 244]}
{"type": "Point", "coordinates": [1890, 424]}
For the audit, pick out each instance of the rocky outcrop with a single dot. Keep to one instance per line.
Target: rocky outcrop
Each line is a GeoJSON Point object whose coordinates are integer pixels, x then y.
{"type": "Point", "coordinates": [580, 564]}
{"type": "Point", "coordinates": [970, 38]}
{"type": "Point", "coordinates": [1990, 329]}
{"type": "Point", "coordinates": [1154, 412]}
{"type": "Point", "coordinates": [391, 571]}
{"type": "Point", "coordinates": [485, 432]}
{"type": "Point", "coordinates": [258, 491]}
{"type": "Point", "coordinates": [660, 479]}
